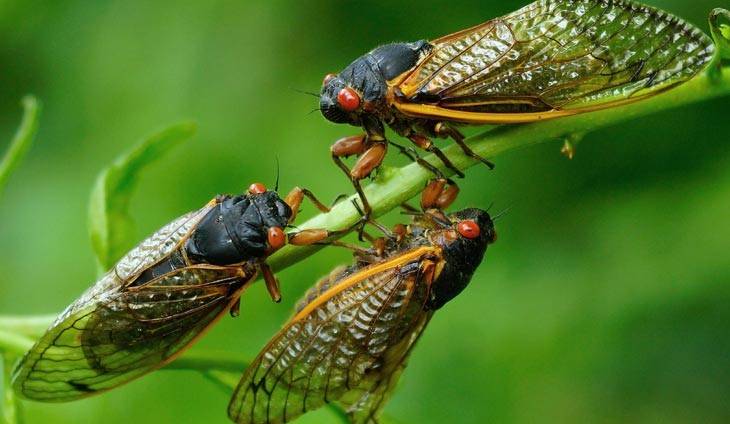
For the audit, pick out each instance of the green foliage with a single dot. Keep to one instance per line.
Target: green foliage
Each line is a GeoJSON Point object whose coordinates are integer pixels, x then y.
{"type": "Point", "coordinates": [22, 140]}
{"type": "Point", "coordinates": [9, 340]}
{"type": "Point", "coordinates": [110, 225]}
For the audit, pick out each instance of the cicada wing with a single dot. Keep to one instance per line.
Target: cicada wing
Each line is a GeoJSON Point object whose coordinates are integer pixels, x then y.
{"type": "Point", "coordinates": [552, 58]}
{"type": "Point", "coordinates": [57, 367]}
{"type": "Point", "coordinates": [366, 406]}
{"type": "Point", "coordinates": [122, 334]}
{"type": "Point", "coordinates": [160, 244]}
{"type": "Point", "coordinates": [340, 343]}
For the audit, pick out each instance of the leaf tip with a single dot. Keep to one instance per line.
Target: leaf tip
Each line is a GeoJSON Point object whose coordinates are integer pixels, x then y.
{"type": "Point", "coordinates": [189, 127]}
{"type": "Point", "coordinates": [31, 102]}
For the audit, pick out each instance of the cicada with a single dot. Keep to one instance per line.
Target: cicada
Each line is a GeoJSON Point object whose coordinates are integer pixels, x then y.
{"type": "Point", "coordinates": [352, 333]}
{"type": "Point", "coordinates": [161, 297]}
{"type": "Point", "coordinates": [550, 59]}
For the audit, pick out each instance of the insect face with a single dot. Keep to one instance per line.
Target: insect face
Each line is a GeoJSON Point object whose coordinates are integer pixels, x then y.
{"type": "Point", "coordinates": [464, 243]}
{"type": "Point", "coordinates": [338, 101]}
{"type": "Point", "coordinates": [364, 81]}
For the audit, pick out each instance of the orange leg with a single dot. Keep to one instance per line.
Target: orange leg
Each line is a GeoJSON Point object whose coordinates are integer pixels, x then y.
{"type": "Point", "coordinates": [412, 155]}
{"type": "Point", "coordinates": [321, 236]}
{"type": "Point", "coordinates": [438, 194]}
{"type": "Point", "coordinates": [426, 144]}
{"type": "Point", "coordinates": [235, 308]}
{"type": "Point", "coordinates": [370, 148]}
{"type": "Point", "coordinates": [444, 130]}
{"type": "Point", "coordinates": [296, 196]}
{"type": "Point", "coordinates": [272, 283]}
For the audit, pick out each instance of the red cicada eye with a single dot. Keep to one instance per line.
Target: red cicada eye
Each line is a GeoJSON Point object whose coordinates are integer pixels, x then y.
{"type": "Point", "coordinates": [257, 188]}
{"type": "Point", "coordinates": [348, 99]}
{"type": "Point", "coordinates": [469, 229]}
{"type": "Point", "coordinates": [327, 79]}
{"type": "Point", "coordinates": [276, 237]}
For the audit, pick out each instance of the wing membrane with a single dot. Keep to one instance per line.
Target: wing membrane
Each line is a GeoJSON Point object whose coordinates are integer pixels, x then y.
{"type": "Point", "coordinates": [347, 340]}
{"type": "Point", "coordinates": [125, 334]}
{"type": "Point", "coordinates": [117, 331]}
{"type": "Point", "coordinates": [556, 55]}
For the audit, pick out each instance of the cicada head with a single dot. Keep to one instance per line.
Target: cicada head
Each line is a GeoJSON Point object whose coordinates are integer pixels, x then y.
{"type": "Point", "coordinates": [241, 228]}
{"type": "Point", "coordinates": [464, 240]}
{"type": "Point", "coordinates": [362, 86]}
{"type": "Point", "coordinates": [339, 101]}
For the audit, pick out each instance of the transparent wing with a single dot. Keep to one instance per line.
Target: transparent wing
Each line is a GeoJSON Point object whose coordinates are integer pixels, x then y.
{"type": "Point", "coordinates": [160, 244]}
{"type": "Point", "coordinates": [121, 335]}
{"type": "Point", "coordinates": [338, 346]}
{"type": "Point", "coordinates": [365, 407]}
{"type": "Point", "coordinates": [575, 55]}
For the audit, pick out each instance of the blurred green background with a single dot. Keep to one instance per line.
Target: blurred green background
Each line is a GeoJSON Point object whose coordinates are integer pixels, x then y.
{"type": "Point", "coordinates": [605, 298]}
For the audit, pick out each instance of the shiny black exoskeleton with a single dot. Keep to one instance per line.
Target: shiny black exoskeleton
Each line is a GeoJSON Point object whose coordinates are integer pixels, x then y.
{"type": "Point", "coordinates": [235, 230]}
{"type": "Point", "coordinates": [462, 256]}
{"type": "Point", "coordinates": [368, 75]}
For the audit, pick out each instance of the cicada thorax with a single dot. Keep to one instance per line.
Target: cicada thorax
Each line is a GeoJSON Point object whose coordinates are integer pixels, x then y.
{"type": "Point", "coordinates": [235, 229]}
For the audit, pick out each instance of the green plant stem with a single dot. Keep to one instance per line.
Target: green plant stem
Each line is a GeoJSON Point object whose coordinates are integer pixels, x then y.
{"type": "Point", "coordinates": [22, 140]}
{"type": "Point", "coordinates": [203, 361]}
{"type": "Point", "coordinates": [10, 406]}
{"type": "Point", "coordinates": [14, 343]}
{"type": "Point", "coordinates": [30, 326]}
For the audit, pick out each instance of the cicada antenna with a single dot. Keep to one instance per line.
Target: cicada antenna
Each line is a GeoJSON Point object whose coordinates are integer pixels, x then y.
{"type": "Point", "coordinates": [278, 168]}
{"type": "Point", "coordinates": [309, 93]}
{"type": "Point", "coordinates": [502, 213]}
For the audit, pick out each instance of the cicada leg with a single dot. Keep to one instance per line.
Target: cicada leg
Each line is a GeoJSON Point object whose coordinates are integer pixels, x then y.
{"type": "Point", "coordinates": [413, 156]}
{"type": "Point", "coordinates": [272, 283]}
{"type": "Point", "coordinates": [426, 144]}
{"type": "Point", "coordinates": [313, 236]}
{"type": "Point", "coordinates": [439, 194]}
{"type": "Point", "coordinates": [295, 198]}
{"type": "Point", "coordinates": [235, 308]}
{"type": "Point", "coordinates": [370, 150]}
{"type": "Point", "coordinates": [443, 130]}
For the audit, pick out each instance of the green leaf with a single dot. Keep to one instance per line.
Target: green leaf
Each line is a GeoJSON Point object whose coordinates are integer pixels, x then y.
{"type": "Point", "coordinates": [111, 227]}
{"type": "Point", "coordinates": [22, 140]}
